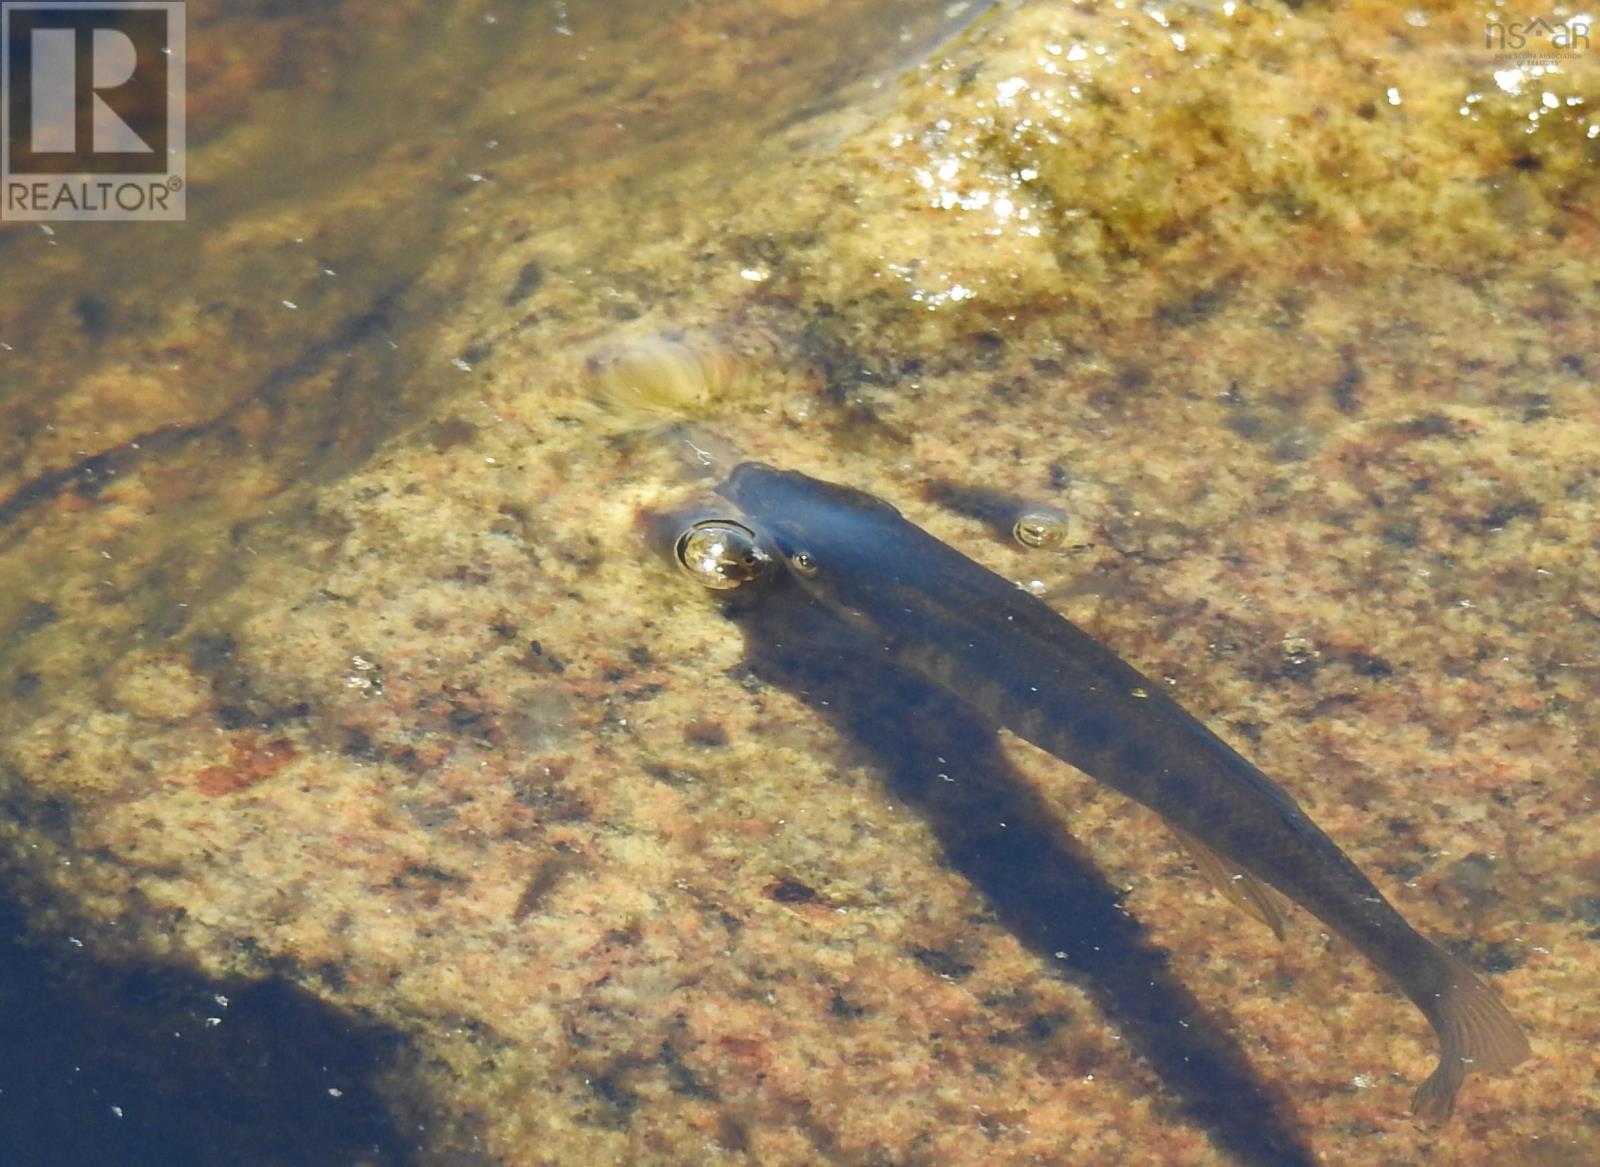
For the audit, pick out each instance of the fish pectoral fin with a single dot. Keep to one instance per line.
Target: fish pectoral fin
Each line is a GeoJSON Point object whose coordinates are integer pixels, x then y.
{"type": "Point", "coordinates": [1235, 883]}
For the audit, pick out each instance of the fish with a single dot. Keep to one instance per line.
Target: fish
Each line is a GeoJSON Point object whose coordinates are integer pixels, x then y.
{"type": "Point", "coordinates": [1024, 667]}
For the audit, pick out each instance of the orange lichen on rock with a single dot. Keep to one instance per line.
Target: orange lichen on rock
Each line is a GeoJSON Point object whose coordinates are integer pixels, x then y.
{"type": "Point", "coordinates": [253, 761]}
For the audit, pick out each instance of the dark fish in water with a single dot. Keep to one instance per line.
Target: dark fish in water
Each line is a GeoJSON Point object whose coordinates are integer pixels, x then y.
{"type": "Point", "coordinates": [1030, 670]}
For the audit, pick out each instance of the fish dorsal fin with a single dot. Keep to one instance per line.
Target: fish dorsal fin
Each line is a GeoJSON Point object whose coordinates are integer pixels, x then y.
{"type": "Point", "coordinates": [1234, 882]}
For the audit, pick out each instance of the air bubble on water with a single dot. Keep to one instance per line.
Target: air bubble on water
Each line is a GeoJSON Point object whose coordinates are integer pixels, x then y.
{"type": "Point", "coordinates": [721, 554]}
{"type": "Point", "coordinates": [1040, 528]}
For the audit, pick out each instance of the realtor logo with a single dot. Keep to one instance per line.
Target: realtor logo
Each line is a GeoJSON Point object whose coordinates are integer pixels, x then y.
{"type": "Point", "coordinates": [91, 110]}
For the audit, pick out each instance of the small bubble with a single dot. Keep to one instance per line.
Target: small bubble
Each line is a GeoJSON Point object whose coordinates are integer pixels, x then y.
{"type": "Point", "coordinates": [1040, 529]}
{"type": "Point", "coordinates": [721, 554]}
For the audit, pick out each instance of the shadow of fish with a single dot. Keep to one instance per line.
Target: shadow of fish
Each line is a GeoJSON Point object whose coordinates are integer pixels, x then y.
{"type": "Point", "coordinates": [943, 759]}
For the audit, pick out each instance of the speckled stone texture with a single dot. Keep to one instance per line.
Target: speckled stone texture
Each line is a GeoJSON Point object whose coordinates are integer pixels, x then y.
{"type": "Point", "coordinates": [1293, 310]}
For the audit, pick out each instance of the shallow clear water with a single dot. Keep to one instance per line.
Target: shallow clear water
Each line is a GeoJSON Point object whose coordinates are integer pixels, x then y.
{"type": "Point", "coordinates": [343, 679]}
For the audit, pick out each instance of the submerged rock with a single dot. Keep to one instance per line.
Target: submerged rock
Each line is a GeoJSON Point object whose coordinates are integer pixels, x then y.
{"type": "Point", "coordinates": [1243, 290]}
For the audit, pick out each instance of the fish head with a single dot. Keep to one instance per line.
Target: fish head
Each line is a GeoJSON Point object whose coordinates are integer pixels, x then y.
{"type": "Point", "coordinates": [836, 542]}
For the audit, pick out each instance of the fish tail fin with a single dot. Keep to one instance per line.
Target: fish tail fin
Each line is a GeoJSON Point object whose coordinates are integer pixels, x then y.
{"type": "Point", "coordinates": [1476, 1032]}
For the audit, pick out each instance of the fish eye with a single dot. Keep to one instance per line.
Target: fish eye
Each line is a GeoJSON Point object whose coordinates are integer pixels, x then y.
{"type": "Point", "coordinates": [804, 563]}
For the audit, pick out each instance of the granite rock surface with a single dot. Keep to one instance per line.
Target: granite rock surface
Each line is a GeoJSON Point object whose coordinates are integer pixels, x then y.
{"type": "Point", "coordinates": [335, 651]}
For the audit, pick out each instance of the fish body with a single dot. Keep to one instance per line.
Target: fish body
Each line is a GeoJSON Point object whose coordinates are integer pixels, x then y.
{"type": "Point", "coordinates": [1027, 668]}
